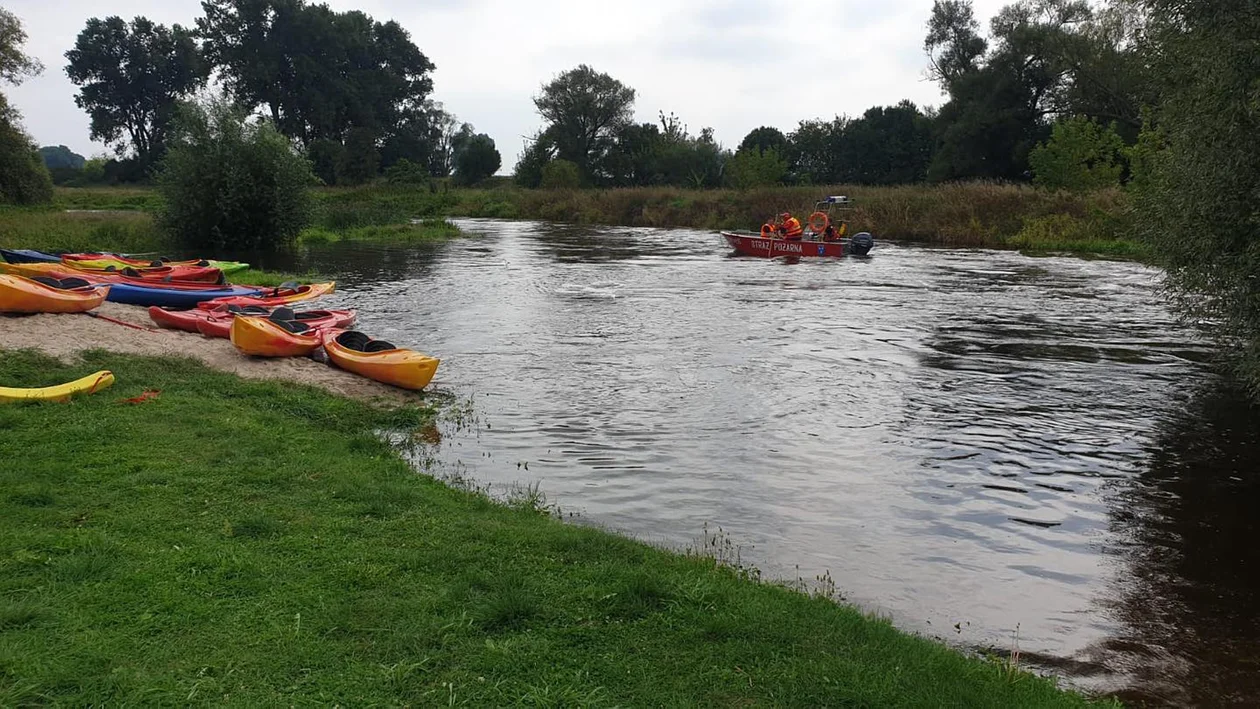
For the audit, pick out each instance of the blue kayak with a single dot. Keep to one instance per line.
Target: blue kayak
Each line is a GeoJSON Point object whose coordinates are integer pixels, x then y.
{"type": "Point", "coordinates": [171, 297]}
{"type": "Point", "coordinates": [28, 256]}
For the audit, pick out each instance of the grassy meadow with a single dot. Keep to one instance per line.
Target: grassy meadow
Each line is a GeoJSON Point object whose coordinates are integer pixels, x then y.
{"type": "Point", "coordinates": [258, 544]}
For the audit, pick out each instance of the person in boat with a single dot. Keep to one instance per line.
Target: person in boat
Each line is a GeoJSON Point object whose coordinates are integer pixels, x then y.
{"type": "Point", "coordinates": [831, 233]}
{"type": "Point", "coordinates": [790, 227]}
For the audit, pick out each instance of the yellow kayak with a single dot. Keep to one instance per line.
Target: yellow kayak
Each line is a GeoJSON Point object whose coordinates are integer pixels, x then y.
{"type": "Point", "coordinates": [90, 384]}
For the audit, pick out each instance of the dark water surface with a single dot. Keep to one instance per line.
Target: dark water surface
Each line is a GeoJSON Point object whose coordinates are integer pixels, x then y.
{"type": "Point", "coordinates": [998, 450]}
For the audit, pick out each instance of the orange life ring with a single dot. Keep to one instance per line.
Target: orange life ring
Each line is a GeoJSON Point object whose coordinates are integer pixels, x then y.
{"type": "Point", "coordinates": [767, 231]}
{"type": "Point", "coordinates": [818, 222]}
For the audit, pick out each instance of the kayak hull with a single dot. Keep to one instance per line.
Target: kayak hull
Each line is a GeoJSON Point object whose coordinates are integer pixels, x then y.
{"type": "Point", "coordinates": [22, 295]}
{"type": "Point", "coordinates": [185, 320]}
{"type": "Point", "coordinates": [218, 323]}
{"type": "Point", "coordinates": [87, 385]}
{"type": "Point", "coordinates": [260, 337]}
{"type": "Point", "coordinates": [102, 261]}
{"type": "Point", "coordinates": [407, 369]}
{"type": "Point", "coordinates": [174, 296]}
{"type": "Point", "coordinates": [261, 298]}
{"type": "Point", "coordinates": [27, 256]}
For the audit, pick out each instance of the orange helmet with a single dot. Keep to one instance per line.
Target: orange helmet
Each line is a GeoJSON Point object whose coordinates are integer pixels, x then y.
{"type": "Point", "coordinates": [786, 215]}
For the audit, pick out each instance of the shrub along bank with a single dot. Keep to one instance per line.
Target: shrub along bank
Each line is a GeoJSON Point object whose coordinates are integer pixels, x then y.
{"type": "Point", "coordinates": [257, 543]}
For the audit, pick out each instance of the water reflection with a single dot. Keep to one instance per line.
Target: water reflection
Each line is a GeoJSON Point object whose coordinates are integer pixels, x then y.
{"type": "Point", "coordinates": [1187, 586]}
{"type": "Point", "coordinates": [984, 446]}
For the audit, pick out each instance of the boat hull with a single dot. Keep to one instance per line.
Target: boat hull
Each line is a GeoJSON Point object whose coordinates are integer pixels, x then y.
{"type": "Point", "coordinates": [87, 385]}
{"type": "Point", "coordinates": [262, 297]}
{"type": "Point", "coordinates": [406, 369]}
{"type": "Point", "coordinates": [22, 295]}
{"type": "Point", "coordinates": [260, 337]}
{"type": "Point", "coordinates": [172, 297]}
{"type": "Point", "coordinates": [750, 245]}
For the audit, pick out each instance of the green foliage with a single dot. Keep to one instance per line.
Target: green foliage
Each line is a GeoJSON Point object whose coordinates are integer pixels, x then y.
{"type": "Point", "coordinates": [48, 230]}
{"type": "Point", "coordinates": [61, 157]}
{"type": "Point", "coordinates": [763, 139]}
{"type": "Point", "coordinates": [1080, 155]}
{"type": "Point", "coordinates": [294, 557]}
{"type": "Point", "coordinates": [477, 159]}
{"type": "Point", "coordinates": [405, 172]}
{"type": "Point", "coordinates": [230, 183]}
{"type": "Point", "coordinates": [752, 167]}
{"type": "Point", "coordinates": [1143, 155]}
{"type": "Point", "coordinates": [1197, 197]}
{"type": "Point", "coordinates": [15, 64]}
{"type": "Point", "coordinates": [529, 166]}
{"type": "Point", "coordinates": [327, 157]}
{"type": "Point", "coordinates": [560, 174]}
{"type": "Point", "coordinates": [360, 161]}
{"type": "Point", "coordinates": [130, 78]}
{"type": "Point", "coordinates": [365, 74]}
{"type": "Point", "coordinates": [583, 109]}
{"type": "Point", "coordinates": [23, 177]}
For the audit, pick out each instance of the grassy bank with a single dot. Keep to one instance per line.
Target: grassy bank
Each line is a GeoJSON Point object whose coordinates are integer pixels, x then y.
{"type": "Point", "coordinates": [255, 544]}
{"type": "Point", "coordinates": [962, 214]}
{"type": "Point", "coordinates": [969, 214]}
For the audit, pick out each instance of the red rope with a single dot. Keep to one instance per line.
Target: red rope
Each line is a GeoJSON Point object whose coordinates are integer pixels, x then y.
{"type": "Point", "coordinates": [120, 322]}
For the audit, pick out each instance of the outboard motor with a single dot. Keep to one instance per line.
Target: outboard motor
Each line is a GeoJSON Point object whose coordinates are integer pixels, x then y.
{"type": "Point", "coordinates": [861, 243]}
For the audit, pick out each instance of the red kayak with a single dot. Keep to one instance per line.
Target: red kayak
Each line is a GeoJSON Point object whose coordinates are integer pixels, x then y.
{"type": "Point", "coordinates": [768, 247]}
{"type": "Point", "coordinates": [274, 297]}
{"type": "Point", "coordinates": [218, 321]}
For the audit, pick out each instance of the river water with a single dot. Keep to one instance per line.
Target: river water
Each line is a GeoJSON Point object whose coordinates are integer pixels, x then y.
{"type": "Point", "coordinates": [1001, 451]}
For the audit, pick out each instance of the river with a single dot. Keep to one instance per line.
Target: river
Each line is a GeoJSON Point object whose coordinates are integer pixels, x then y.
{"type": "Point", "coordinates": [1001, 451]}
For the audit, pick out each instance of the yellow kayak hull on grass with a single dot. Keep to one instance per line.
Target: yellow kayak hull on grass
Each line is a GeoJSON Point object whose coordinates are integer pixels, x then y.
{"type": "Point", "coordinates": [87, 385]}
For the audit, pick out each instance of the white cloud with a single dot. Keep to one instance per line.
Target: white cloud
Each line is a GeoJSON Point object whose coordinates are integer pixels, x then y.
{"type": "Point", "coordinates": [730, 64]}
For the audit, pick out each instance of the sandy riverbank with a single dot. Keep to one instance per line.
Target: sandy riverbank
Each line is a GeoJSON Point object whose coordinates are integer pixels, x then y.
{"type": "Point", "coordinates": [64, 336]}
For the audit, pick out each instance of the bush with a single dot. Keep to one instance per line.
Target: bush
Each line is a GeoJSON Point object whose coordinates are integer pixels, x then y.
{"type": "Point", "coordinates": [1081, 155]}
{"type": "Point", "coordinates": [232, 184]}
{"type": "Point", "coordinates": [560, 174]}
{"type": "Point", "coordinates": [23, 177]}
{"type": "Point", "coordinates": [756, 168]}
{"type": "Point", "coordinates": [405, 172]}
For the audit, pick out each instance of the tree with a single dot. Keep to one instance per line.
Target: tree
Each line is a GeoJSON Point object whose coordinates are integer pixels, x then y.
{"type": "Point", "coordinates": [15, 65]}
{"type": "Point", "coordinates": [888, 146]}
{"type": "Point", "coordinates": [537, 154]}
{"type": "Point", "coordinates": [819, 149]}
{"type": "Point", "coordinates": [755, 168]}
{"type": "Point", "coordinates": [584, 110]}
{"type": "Point", "coordinates": [131, 76]}
{"type": "Point", "coordinates": [1080, 155]}
{"type": "Point", "coordinates": [23, 177]}
{"type": "Point", "coordinates": [477, 160]}
{"type": "Point", "coordinates": [230, 182]}
{"type": "Point", "coordinates": [953, 46]}
{"type": "Point", "coordinates": [561, 174]}
{"type": "Point", "coordinates": [360, 161]}
{"type": "Point", "coordinates": [1199, 202]}
{"type": "Point", "coordinates": [61, 157]}
{"type": "Point", "coordinates": [763, 139]}
{"type": "Point", "coordinates": [365, 74]}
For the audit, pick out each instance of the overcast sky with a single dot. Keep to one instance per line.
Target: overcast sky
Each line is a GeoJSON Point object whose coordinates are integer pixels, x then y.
{"type": "Point", "coordinates": [730, 64]}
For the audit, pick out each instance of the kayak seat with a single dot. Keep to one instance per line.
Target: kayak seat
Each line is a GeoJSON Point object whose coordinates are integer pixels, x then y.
{"type": "Point", "coordinates": [293, 326]}
{"type": "Point", "coordinates": [203, 263]}
{"type": "Point", "coordinates": [379, 346]}
{"type": "Point", "coordinates": [309, 315]}
{"type": "Point", "coordinates": [282, 313]}
{"type": "Point", "coordinates": [156, 264]}
{"type": "Point", "coordinates": [73, 282]}
{"type": "Point", "coordinates": [48, 281]}
{"type": "Point", "coordinates": [353, 340]}
{"type": "Point", "coordinates": [249, 310]}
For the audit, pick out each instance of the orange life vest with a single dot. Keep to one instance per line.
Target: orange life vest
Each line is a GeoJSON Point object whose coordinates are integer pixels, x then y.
{"type": "Point", "coordinates": [792, 228]}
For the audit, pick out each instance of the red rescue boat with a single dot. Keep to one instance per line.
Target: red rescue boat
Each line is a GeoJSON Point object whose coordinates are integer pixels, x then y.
{"type": "Point", "coordinates": [825, 238]}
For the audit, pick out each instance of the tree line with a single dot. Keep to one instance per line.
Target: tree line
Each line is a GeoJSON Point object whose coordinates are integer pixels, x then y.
{"type": "Point", "coordinates": [1042, 63]}
{"type": "Point", "coordinates": [352, 92]}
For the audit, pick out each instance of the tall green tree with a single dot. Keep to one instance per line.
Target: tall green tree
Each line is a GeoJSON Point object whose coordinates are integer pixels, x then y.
{"type": "Point", "coordinates": [317, 72]}
{"type": "Point", "coordinates": [1198, 207]}
{"type": "Point", "coordinates": [584, 109]}
{"type": "Point", "coordinates": [888, 146]}
{"type": "Point", "coordinates": [763, 139]}
{"type": "Point", "coordinates": [232, 182]}
{"type": "Point", "coordinates": [23, 177]}
{"type": "Point", "coordinates": [819, 148]}
{"type": "Point", "coordinates": [130, 77]}
{"type": "Point", "coordinates": [477, 159]}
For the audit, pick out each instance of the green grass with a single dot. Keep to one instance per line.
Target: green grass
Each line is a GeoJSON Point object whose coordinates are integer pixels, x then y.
{"type": "Point", "coordinates": [253, 543]}
{"type": "Point", "coordinates": [425, 230]}
{"type": "Point", "coordinates": [271, 279]}
{"type": "Point", "coordinates": [132, 232]}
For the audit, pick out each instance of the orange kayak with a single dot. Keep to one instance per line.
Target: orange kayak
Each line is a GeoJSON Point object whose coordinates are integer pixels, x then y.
{"type": "Point", "coordinates": [376, 359]}
{"type": "Point", "coordinates": [271, 297]}
{"type": "Point", "coordinates": [24, 295]}
{"type": "Point", "coordinates": [261, 337]}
